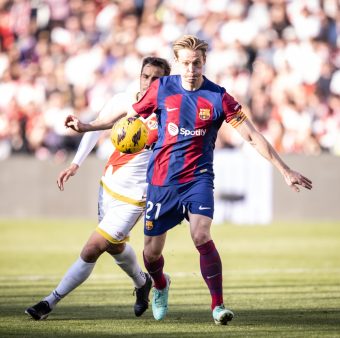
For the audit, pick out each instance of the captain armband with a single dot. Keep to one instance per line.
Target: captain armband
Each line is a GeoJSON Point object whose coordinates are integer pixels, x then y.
{"type": "Point", "coordinates": [239, 117]}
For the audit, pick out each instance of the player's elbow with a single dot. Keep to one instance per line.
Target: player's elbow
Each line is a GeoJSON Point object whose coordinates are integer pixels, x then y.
{"type": "Point", "coordinates": [250, 139]}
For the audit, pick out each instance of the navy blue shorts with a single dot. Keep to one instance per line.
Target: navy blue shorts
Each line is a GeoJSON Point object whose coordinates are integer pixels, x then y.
{"type": "Point", "coordinates": [168, 206]}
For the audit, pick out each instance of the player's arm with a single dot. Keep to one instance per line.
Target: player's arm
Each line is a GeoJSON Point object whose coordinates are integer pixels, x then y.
{"type": "Point", "coordinates": [66, 174]}
{"type": "Point", "coordinates": [249, 133]}
{"type": "Point", "coordinates": [88, 142]}
{"type": "Point", "coordinates": [149, 102]}
{"type": "Point", "coordinates": [105, 120]}
{"type": "Point", "coordinates": [100, 123]}
{"type": "Point", "coordinates": [144, 107]}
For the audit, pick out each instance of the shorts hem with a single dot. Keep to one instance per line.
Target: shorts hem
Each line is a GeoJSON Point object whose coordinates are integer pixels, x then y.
{"type": "Point", "coordinates": [110, 238]}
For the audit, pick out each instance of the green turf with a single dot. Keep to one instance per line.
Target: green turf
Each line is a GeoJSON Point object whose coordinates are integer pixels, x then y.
{"type": "Point", "coordinates": [281, 280]}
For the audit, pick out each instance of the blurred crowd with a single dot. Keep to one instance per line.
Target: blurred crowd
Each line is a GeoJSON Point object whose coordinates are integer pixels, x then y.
{"type": "Point", "coordinates": [280, 59]}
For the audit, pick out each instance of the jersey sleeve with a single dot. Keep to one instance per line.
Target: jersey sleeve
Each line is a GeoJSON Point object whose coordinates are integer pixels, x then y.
{"type": "Point", "coordinates": [232, 110]}
{"type": "Point", "coordinates": [87, 143]}
{"type": "Point", "coordinates": [148, 103]}
{"type": "Point", "coordinates": [119, 102]}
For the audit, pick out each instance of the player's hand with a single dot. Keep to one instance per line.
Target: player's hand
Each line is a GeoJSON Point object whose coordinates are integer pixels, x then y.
{"type": "Point", "coordinates": [295, 179]}
{"type": "Point", "coordinates": [74, 123]}
{"type": "Point", "coordinates": [66, 174]}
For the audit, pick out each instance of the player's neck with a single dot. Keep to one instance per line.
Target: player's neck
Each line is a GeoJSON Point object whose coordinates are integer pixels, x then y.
{"type": "Point", "coordinates": [193, 86]}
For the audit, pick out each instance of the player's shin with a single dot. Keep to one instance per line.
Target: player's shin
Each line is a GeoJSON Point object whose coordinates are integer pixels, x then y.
{"type": "Point", "coordinates": [155, 269]}
{"type": "Point", "coordinates": [211, 269]}
{"type": "Point", "coordinates": [127, 261]}
{"type": "Point", "coordinates": [75, 276]}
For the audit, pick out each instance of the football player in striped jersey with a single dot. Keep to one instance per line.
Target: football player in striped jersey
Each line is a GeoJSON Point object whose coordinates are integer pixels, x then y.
{"type": "Point", "coordinates": [190, 110]}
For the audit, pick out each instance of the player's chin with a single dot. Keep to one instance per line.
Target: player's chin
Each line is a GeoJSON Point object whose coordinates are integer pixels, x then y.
{"type": "Point", "coordinates": [143, 90]}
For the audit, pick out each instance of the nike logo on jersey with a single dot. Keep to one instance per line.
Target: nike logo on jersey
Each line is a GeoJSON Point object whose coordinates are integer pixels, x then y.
{"type": "Point", "coordinates": [203, 208]}
{"type": "Point", "coordinates": [171, 109]}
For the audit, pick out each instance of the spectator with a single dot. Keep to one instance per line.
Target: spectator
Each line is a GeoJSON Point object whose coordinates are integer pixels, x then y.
{"type": "Point", "coordinates": [281, 58]}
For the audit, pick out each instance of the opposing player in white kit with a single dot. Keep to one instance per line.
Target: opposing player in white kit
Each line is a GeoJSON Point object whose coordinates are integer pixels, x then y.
{"type": "Point", "coordinates": [121, 203]}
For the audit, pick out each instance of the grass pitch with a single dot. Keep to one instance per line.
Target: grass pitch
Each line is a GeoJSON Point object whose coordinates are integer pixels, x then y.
{"type": "Point", "coordinates": [281, 280]}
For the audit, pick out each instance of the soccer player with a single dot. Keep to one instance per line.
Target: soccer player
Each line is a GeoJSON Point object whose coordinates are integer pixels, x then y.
{"type": "Point", "coordinates": [121, 203]}
{"type": "Point", "coordinates": [190, 110]}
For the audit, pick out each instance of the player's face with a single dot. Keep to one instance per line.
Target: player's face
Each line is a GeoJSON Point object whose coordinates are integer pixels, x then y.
{"type": "Point", "coordinates": [149, 74]}
{"type": "Point", "coordinates": [190, 66]}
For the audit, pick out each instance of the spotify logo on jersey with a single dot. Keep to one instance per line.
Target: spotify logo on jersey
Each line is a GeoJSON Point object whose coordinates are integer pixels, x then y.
{"type": "Point", "coordinates": [172, 129]}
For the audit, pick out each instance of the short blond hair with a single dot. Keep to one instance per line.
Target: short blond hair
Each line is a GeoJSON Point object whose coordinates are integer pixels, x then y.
{"type": "Point", "coordinates": [190, 42]}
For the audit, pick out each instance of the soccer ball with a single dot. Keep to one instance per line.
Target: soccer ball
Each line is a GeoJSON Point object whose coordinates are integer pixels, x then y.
{"type": "Point", "coordinates": [129, 135]}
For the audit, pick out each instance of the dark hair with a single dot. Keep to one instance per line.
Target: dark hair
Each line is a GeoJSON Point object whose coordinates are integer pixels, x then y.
{"type": "Point", "coordinates": [157, 62]}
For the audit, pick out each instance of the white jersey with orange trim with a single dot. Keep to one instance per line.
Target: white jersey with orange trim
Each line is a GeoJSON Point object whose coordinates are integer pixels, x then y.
{"type": "Point", "coordinates": [124, 176]}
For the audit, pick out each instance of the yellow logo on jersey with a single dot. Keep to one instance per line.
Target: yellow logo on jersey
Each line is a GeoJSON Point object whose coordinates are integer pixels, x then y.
{"type": "Point", "coordinates": [204, 113]}
{"type": "Point", "coordinates": [148, 225]}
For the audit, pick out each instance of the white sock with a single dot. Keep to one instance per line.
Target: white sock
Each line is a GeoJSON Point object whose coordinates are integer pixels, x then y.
{"type": "Point", "coordinates": [75, 276]}
{"type": "Point", "coordinates": [127, 261]}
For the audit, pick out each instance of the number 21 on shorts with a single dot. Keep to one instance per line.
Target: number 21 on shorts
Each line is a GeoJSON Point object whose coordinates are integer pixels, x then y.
{"type": "Point", "coordinates": [149, 208]}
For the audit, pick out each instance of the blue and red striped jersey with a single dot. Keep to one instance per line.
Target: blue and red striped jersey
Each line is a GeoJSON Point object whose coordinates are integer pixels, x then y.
{"type": "Point", "coordinates": [188, 122]}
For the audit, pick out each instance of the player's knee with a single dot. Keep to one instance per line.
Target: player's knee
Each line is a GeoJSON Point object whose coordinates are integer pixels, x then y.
{"type": "Point", "coordinates": [200, 229]}
{"type": "Point", "coordinates": [151, 253]}
{"type": "Point", "coordinates": [151, 256]}
{"type": "Point", "coordinates": [153, 247]}
{"type": "Point", "coordinates": [116, 249]}
{"type": "Point", "coordinates": [91, 253]}
{"type": "Point", "coordinates": [200, 237]}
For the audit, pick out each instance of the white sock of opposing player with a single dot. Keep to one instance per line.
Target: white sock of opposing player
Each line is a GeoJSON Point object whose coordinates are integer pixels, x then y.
{"type": "Point", "coordinates": [127, 261]}
{"type": "Point", "coordinates": [75, 275]}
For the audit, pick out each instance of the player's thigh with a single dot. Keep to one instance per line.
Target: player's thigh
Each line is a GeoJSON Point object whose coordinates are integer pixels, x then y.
{"type": "Point", "coordinates": [200, 228]}
{"type": "Point", "coordinates": [198, 198]}
{"type": "Point", "coordinates": [163, 210]}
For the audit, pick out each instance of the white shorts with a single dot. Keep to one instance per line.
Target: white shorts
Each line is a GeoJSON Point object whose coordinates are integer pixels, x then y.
{"type": "Point", "coordinates": [116, 218]}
